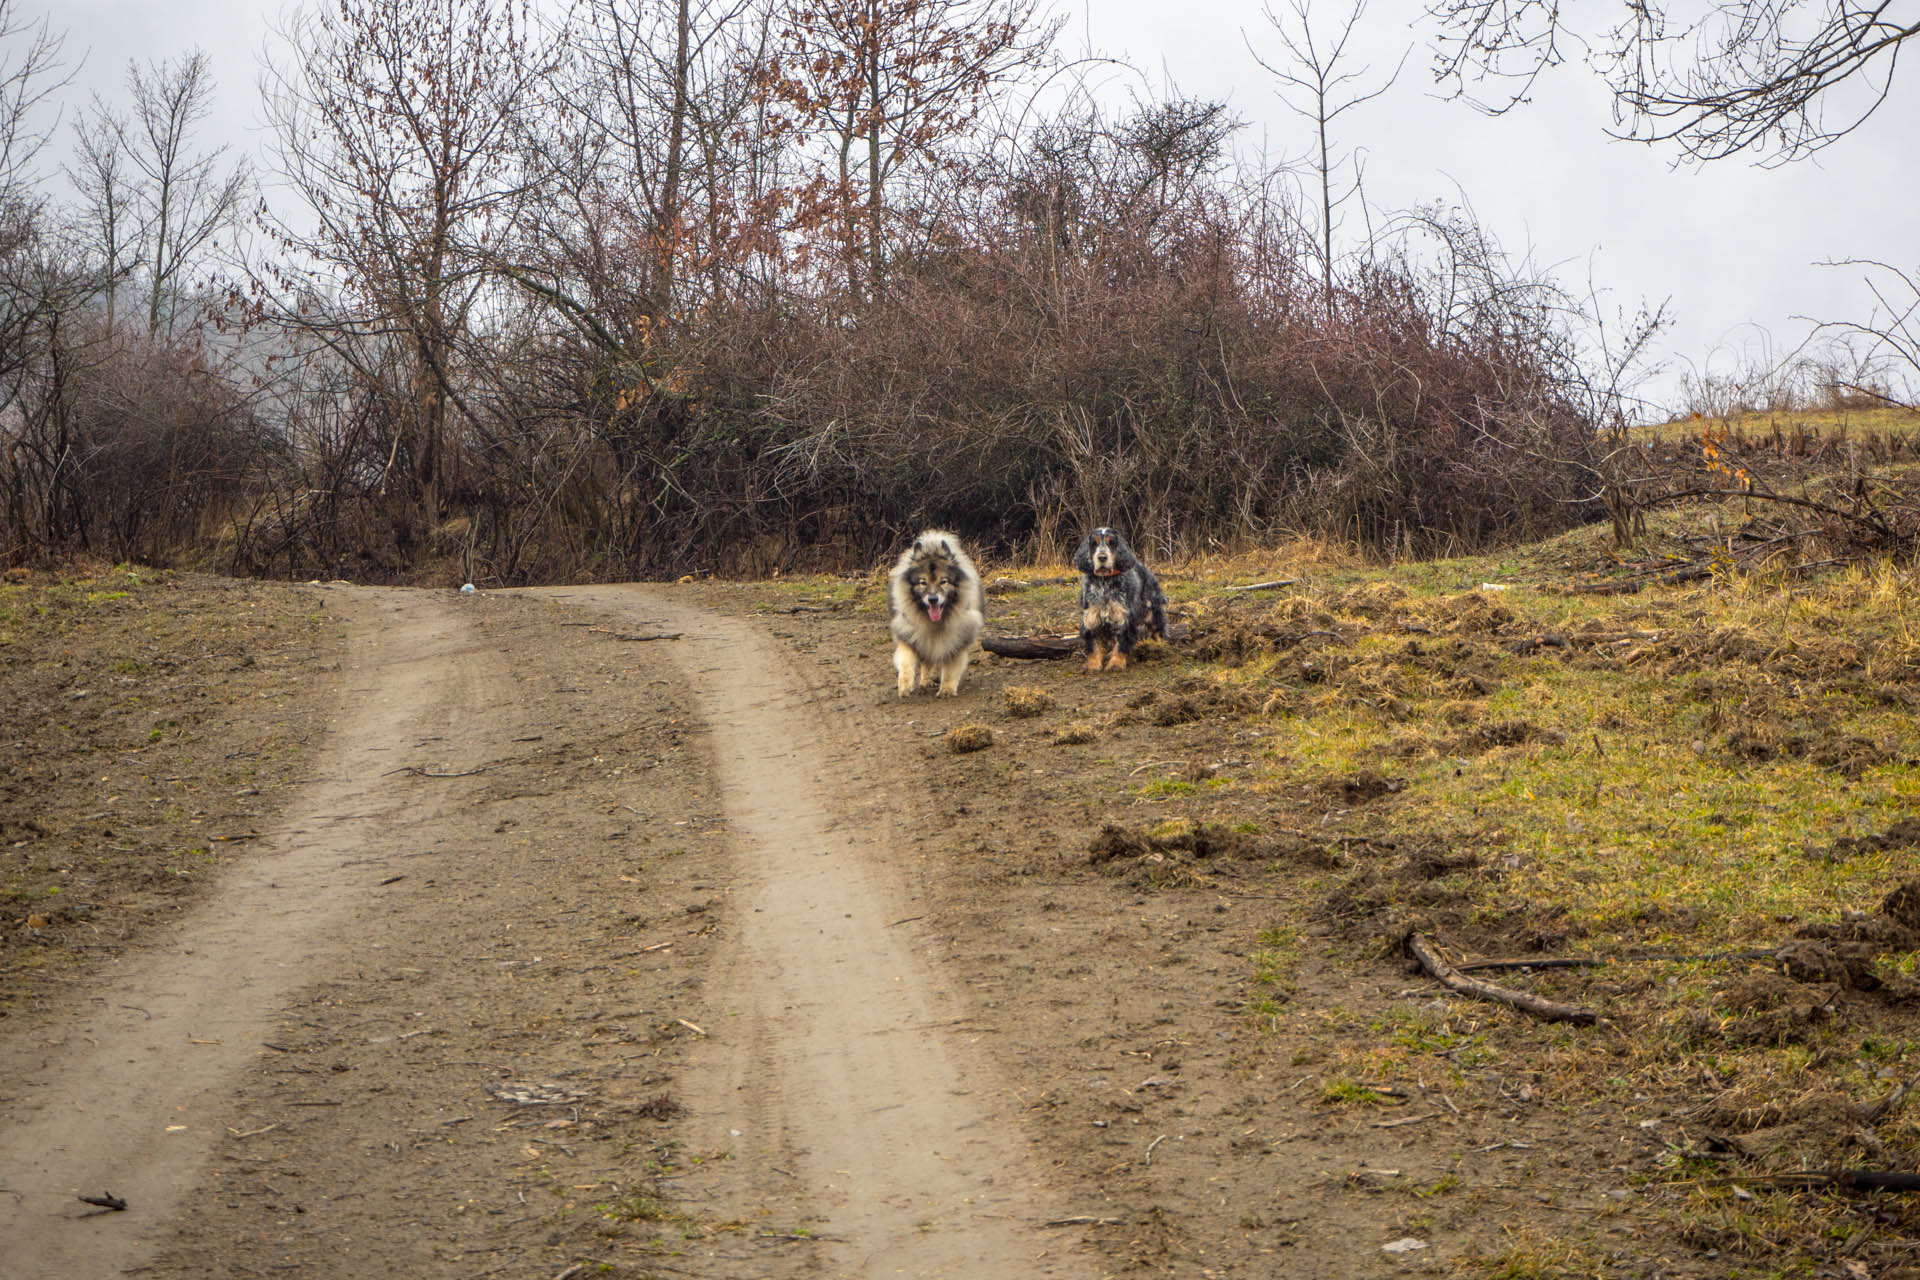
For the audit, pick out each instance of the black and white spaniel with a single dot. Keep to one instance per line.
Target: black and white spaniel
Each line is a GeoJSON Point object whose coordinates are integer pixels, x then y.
{"type": "Point", "coordinates": [1119, 599]}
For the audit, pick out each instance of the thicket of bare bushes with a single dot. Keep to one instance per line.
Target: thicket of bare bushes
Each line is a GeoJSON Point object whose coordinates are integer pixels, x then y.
{"type": "Point", "coordinates": [735, 288]}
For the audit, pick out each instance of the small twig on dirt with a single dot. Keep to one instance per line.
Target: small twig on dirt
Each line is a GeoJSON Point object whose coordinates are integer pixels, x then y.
{"type": "Point", "coordinates": [1148, 1158]}
{"type": "Point", "coordinates": [1084, 1220]}
{"type": "Point", "coordinates": [1504, 1143]}
{"type": "Point", "coordinates": [1444, 973]}
{"type": "Point", "coordinates": [393, 880]}
{"type": "Point", "coordinates": [699, 1031]}
{"type": "Point", "coordinates": [252, 1133]}
{"type": "Point", "coordinates": [1555, 962]}
{"type": "Point", "coordinates": [1395, 1124]}
{"type": "Point", "coordinates": [331, 1102]}
{"type": "Point", "coordinates": [230, 839]}
{"type": "Point", "coordinates": [105, 1200]}
{"type": "Point", "coordinates": [906, 920]}
{"type": "Point", "coordinates": [627, 635]}
{"type": "Point", "coordinates": [795, 1235]}
{"type": "Point", "coordinates": [419, 772]}
{"type": "Point", "coordinates": [1265, 586]}
{"type": "Point", "coordinates": [1887, 1105]}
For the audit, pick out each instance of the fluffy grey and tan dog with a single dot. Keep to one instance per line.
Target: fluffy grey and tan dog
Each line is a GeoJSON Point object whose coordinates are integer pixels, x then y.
{"type": "Point", "coordinates": [1119, 599]}
{"type": "Point", "coordinates": [939, 611]}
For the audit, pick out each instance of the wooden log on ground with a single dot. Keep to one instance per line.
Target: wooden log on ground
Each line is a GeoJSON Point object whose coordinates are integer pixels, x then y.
{"type": "Point", "coordinates": [1031, 646]}
{"type": "Point", "coordinates": [1056, 646]}
{"type": "Point", "coordinates": [1423, 950]}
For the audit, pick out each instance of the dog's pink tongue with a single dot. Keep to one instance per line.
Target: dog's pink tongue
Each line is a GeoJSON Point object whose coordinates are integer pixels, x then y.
{"type": "Point", "coordinates": [935, 610]}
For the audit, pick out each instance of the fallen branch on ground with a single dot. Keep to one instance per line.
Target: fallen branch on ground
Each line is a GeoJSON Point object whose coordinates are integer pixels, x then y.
{"type": "Point", "coordinates": [1423, 950]}
{"type": "Point", "coordinates": [1839, 1179]}
{"type": "Point", "coordinates": [1265, 586]}
{"type": "Point", "coordinates": [625, 635]}
{"type": "Point", "coordinates": [1595, 962]}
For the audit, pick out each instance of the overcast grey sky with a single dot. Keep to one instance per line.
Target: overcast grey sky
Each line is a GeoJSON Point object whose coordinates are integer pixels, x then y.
{"type": "Point", "coordinates": [1733, 246]}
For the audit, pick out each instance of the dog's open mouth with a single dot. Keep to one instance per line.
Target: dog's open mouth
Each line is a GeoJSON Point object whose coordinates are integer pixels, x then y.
{"type": "Point", "coordinates": [935, 609]}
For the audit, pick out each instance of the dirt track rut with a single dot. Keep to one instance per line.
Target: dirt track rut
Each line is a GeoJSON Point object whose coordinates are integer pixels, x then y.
{"type": "Point", "coordinates": [128, 1099]}
{"type": "Point", "coordinates": [835, 1078]}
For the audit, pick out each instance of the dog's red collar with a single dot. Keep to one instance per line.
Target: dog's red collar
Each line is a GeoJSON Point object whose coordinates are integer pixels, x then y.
{"type": "Point", "coordinates": [1110, 573]}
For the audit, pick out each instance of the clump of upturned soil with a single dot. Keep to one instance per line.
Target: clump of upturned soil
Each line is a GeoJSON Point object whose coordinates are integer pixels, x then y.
{"type": "Point", "coordinates": [969, 737]}
{"type": "Point", "coordinates": [1391, 898]}
{"type": "Point", "coordinates": [1172, 855]}
{"type": "Point", "coordinates": [1849, 754]}
{"type": "Point", "coordinates": [1904, 834]}
{"type": "Point", "coordinates": [1814, 1130]}
{"type": "Point", "coordinates": [1362, 787]}
{"type": "Point", "coordinates": [1024, 701]}
{"type": "Point", "coordinates": [1764, 1008]}
{"type": "Point", "coordinates": [1077, 734]}
{"type": "Point", "coordinates": [1847, 953]}
{"type": "Point", "coordinates": [1188, 701]}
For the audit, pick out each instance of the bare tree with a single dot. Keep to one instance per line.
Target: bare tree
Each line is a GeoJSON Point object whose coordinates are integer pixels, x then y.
{"type": "Point", "coordinates": [651, 158]}
{"type": "Point", "coordinates": [29, 66]}
{"type": "Point", "coordinates": [393, 122]}
{"type": "Point", "coordinates": [185, 200]}
{"type": "Point", "coordinates": [29, 74]}
{"type": "Point", "coordinates": [149, 200]}
{"type": "Point", "coordinates": [1776, 79]}
{"type": "Point", "coordinates": [883, 84]}
{"type": "Point", "coordinates": [108, 224]}
{"type": "Point", "coordinates": [1315, 86]}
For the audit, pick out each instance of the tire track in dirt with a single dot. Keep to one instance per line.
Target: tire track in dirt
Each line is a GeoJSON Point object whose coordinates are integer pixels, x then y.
{"type": "Point", "coordinates": [833, 1078]}
{"type": "Point", "coordinates": [127, 1099]}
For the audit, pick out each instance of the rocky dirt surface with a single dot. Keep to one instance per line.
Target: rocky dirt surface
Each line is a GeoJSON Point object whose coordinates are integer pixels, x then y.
{"type": "Point", "coordinates": [642, 931]}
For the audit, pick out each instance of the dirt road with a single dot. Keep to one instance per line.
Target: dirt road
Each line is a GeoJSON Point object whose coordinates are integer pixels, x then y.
{"type": "Point", "coordinates": [828, 1082]}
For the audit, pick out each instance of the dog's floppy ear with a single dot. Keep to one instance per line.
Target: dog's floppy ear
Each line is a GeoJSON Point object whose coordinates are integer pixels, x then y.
{"type": "Point", "coordinates": [1123, 557]}
{"type": "Point", "coordinates": [1083, 558]}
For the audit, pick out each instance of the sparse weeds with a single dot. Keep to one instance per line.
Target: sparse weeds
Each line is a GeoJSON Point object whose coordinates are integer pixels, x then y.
{"type": "Point", "coordinates": [1531, 1254]}
{"type": "Point", "coordinates": [1343, 1092]}
{"type": "Point", "coordinates": [1274, 961]}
